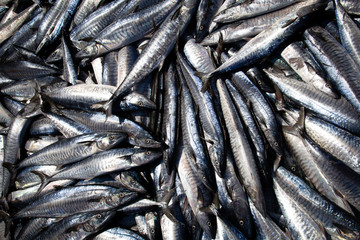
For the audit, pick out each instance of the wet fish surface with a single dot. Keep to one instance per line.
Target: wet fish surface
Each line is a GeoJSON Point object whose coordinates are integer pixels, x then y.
{"type": "Point", "coordinates": [179, 119]}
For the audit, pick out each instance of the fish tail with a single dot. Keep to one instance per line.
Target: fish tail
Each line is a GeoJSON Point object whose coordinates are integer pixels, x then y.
{"type": "Point", "coordinates": [44, 180]}
{"type": "Point", "coordinates": [8, 222]}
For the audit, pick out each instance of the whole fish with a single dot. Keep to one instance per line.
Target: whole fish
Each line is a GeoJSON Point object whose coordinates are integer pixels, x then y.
{"type": "Point", "coordinates": [77, 199]}
{"type": "Point", "coordinates": [267, 41]}
{"type": "Point", "coordinates": [335, 220]}
{"type": "Point", "coordinates": [338, 64]}
{"type": "Point", "coordinates": [299, 223]}
{"type": "Point", "coordinates": [250, 9]}
{"type": "Point", "coordinates": [243, 155]}
{"type": "Point", "coordinates": [72, 149]}
{"type": "Point", "coordinates": [8, 28]}
{"type": "Point", "coordinates": [128, 30]}
{"type": "Point", "coordinates": [151, 57]}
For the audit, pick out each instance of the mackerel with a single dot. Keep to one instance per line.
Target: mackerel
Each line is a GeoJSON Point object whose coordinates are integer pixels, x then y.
{"type": "Point", "coordinates": [243, 155]}
{"type": "Point", "coordinates": [338, 64]}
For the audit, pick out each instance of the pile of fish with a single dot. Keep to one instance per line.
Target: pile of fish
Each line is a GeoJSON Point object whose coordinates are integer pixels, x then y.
{"type": "Point", "coordinates": [180, 119]}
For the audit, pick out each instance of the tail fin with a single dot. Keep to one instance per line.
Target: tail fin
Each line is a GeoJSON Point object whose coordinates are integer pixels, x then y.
{"type": "Point", "coordinates": [44, 180]}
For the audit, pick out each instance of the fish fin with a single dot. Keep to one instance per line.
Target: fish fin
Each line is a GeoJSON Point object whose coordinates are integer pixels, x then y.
{"type": "Point", "coordinates": [289, 22]}
{"type": "Point", "coordinates": [98, 199]}
{"type": "Point", "coordinates": [206, 210]}
{"type": "Point", "coordinates": [136, 9]}
{"type": "Point", "coordinates": [299, 126]}
{"type": "Point", "coordinates": [342, 230]}
{"type": "Point", "coordinates": [10, 166]}
{"type": "Point", "coordinates": [4, 215]}
{"type": "Point", "coordinates": [277, 162]}
{"type": "Point", "coordinates": [200, 196]}
{"type": "Point", "coordinates": [176, 12]}
{"type": "Point", "coordinates": [161, 64]}
{"type": "Point", "coordinates": [310, 183]}
{"type": "Point", "coordinates": [101, 44]}
{"type": "Point", "coordinates": [207, 140]}
{"type": "Point", "coordinates": [322, 229]}
{"type": "Point", "coordinates": [86, 143]}
{"type": "Point", "coordinates": [7, 219]}
{"type": "Point", "coordinates": [168, 196]}
{"type": "Point", "coordinates": [287, 233]}
{"type": "Point", "coordinates": [86, 39]}
{"type": "Point", "coordinates": [206, 82]}
{"type": "Point", "coordinates": [33, 107]}
{"type": "Point", "coordinates": [167, 212]}
{"type": "Point", "coordinates": [219, 48]}
{"type": "Point", "coordinates": [88, 179]}
{"type": "Point", "coordinates": [58, 167]}
{"type": "Point", "coordinates": [338, 193]}
{"type": "Point", "coordinates": [4, 203]}
{"type": "Point", "coordinates": [214, 207]}
{"type": "Point", "coordinates": [4, 130]}
{"type": "Point", "coordinates": [279, 99]}
{"type": "Point", "coordinates": [106, 106]}
{"type": "Point", "coordinates": [186, 202]}
{"type": "Point", "coordinates": [216, 200]}
{"type": "Point", "coordinates": [155, 28]}
{"type": "Point", "coordinates": [58, 187]}
{"type": "Point", "coordinates": [44, 180]}
{"type": "Point", "coordinates": [72, 229]}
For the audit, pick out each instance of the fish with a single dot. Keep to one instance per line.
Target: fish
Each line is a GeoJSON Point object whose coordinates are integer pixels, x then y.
{"type": "Point", "coordinates": [243, 155]}
{"type": "Point", "coordinates": [92, 198]}
{"type": "Point", "coordinates": [343, 75]}
{"type": "Point", "coordinates": [73, 149]}
{"type": "Point", "coordinates": [267, 41]}
{"type": "Point", "coordinates": [8, 28]}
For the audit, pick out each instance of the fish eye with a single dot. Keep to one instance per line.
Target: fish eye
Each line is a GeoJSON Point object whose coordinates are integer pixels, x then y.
{"type": "Point", "coordinates": [216, 162]}
{"type": "Point", "coordinates": [204, 178]}
{"type": "Point", "coordinates": [241, 222]}
{"type": "Point", "coordinates": [112, 138]}
{"type": "Point", "coordinates": [148, 153]}
{"type": "Point", "coordinates": [98, 216]}
{"type": "Point", "coordinates": [152, 230]}
{"type": "Point", "coordinates": [193, 227]}
{"type": "Point", "coordinates": [327, 85]}
{"type": "Point", "coordinates": [147, 141]}
{"type": "Point", "coordinates": [140, 103]}
{"type": "Point", "coordinates": [201, 28]}
{"type": "Point", "coordinates": [293, 169]}
{"type": "Point", "coordinates": [122, 195]}
{"type": "Point", "coordinates": [209, 224]}
{"type": "Point", "coordinates": [276, 144]}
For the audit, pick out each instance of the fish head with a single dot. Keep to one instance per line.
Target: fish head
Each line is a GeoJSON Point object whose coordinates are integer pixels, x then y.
{"type": "Point", "coordinates": [55, 56]}
{"type": "Point", "coordinates": [207, 223]}
{"type": "Point", "coordinates": [92, 49]}
{"type": "Point", "coordinates": [243, 216]}
{"type": "Point", "coordinates": [109, 140]}
{"type": "Point", "coordinates": [144, 157]}
{"type": "Point", "coordinates": [217, 159]}
{"type": "Point", "coordinates": [151, 220]}
{"type": "Point", "coordinates": [54, 86]}
{"type": "Point", "coordinates": [131, 180]}
{"type": "Point", "coordinates": [145, 141]}
{"type": "Point", "coordinates": [97, 220]}
{"type": "Point", "coordinates": [136, 101]}
{"type": "Point", "coordinates": [120, 197]}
